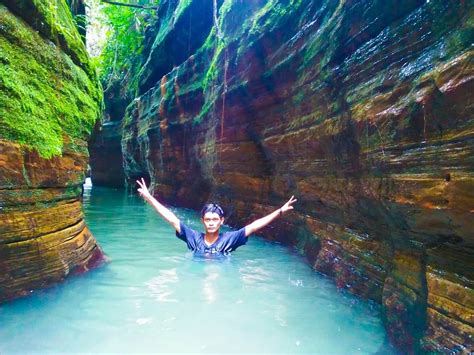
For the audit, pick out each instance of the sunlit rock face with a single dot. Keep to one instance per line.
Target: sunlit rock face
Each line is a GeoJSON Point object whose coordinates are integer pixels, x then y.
{"type": "Point", "coordinates": [364, 111]}
{"type": "Point", "coordinates": [49, 100]}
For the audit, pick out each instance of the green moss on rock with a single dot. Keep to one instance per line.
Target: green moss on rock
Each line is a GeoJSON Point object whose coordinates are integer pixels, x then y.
{"type": "Point", "coordinates": [54, 21]}
{"type": "Point", "coordinates": [44, 95]}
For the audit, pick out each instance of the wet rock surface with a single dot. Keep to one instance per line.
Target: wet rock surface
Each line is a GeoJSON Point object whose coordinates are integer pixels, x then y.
{"type": "Point", "coordinates": [364, 111]}
{"type": "Point", "coordinates": [105, 147]}
{"type": "Point", "coordinates": [43, 236]}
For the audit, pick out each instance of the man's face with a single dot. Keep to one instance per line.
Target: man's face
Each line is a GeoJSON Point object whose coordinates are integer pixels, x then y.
{"type": "Point", "coordinates": [212, 222]}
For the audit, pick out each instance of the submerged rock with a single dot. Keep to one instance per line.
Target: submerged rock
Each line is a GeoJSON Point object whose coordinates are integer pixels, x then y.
{"type": "Point", "coordinates": [363, 110]}
{"type": "Point", "coordinates": [49, 101]}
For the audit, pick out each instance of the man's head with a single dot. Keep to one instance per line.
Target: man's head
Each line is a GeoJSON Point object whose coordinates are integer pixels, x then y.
{"type": "Point", "coordinates": [212, 215]}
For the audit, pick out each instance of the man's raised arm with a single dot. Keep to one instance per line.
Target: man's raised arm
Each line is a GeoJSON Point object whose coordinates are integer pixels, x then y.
{"type": "Point", "coordinates": [262, 222]}
{"type": "Point", "coordinates": [167, 215]}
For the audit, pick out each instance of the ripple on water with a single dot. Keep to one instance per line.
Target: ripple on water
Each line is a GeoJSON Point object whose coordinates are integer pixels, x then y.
{"type": "Point", "coordinates": [155, 296]}
{"type": "Point", "coordinates": [160, 288]}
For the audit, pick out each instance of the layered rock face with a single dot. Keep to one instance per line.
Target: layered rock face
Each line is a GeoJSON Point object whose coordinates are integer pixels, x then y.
{"type": "Point", "coordinates": [49, 101]}
{"type": "Point", "coordinates": [105, 144]}
{"type": "Point", "coordinates": [363, 110]}
{"type": "Point", "coordinates": [182, 30]}
{"type": "Point", "coordinates": [106, 159]}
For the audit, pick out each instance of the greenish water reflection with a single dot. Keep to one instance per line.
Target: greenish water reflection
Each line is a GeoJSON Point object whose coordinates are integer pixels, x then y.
{"type": "Point", "coordinates": [154, 296]}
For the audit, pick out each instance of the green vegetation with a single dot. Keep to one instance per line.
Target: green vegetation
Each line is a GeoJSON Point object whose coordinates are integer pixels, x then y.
{"type": "Point", "coordinates": [272, 13]}
{"type": "Point", "coordinates": [204, 111]}
{"type": "Point", "coordinates": [44, 95]}
{"type": "Point", "coordinates": [62, 25]}
{"type": "Point", "coordinates": [183, 4]}
{"type": "Point", "coordinates": [125, 29]}
{"type": "Point", "coordinates": [213, 70]}
{"type": "Point", "coordinates": [53, 20]}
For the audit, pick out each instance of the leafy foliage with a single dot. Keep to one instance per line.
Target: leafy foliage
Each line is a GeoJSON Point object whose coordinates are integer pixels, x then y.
{"type": "Point", "coordinates": [124, 44]}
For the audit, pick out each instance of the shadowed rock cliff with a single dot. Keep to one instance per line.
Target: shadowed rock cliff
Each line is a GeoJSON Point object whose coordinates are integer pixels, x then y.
{"type": "Point", "coordinates": [362, 109]}
{"type": "Point", "coordinates": [49, 101]}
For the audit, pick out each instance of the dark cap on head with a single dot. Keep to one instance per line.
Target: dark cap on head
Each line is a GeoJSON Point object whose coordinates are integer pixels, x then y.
{"type": "Point", "coordinates": [214, 208]}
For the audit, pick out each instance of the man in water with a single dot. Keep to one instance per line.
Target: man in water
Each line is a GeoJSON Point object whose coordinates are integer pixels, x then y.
{"type": "Point", "coordinates": [212, 216]}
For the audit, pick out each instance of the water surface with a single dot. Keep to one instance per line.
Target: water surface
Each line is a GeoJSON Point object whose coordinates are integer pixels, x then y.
{"type": "Point", "coordinates": [155, 296]}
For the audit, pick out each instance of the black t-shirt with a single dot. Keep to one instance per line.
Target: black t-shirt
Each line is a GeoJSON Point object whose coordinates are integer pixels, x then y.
{"type": "Point", "coordinates": [225, 243]}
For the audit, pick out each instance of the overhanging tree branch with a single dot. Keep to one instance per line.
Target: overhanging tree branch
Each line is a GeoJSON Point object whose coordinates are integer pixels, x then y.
{"type": "Point", "coordinates": [131, 5]}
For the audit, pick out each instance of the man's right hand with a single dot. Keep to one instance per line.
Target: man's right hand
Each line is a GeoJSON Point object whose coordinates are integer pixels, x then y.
{"type": "Point", "coordinates": [143, 189]}
{"type": "Point", "coordinates": [162, 210]}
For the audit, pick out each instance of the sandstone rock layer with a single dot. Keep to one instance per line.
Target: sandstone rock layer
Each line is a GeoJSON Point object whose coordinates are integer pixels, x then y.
{"type": "Point", "coordinates": [43, 237]}
{"type": "Point", "coordinates": [49, 101]}
{"type": "Point", "coordinates": [363, 110]}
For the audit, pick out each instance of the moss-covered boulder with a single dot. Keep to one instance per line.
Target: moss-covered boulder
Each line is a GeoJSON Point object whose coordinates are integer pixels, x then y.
{"type": "Point", "coordinates": [49, 101]}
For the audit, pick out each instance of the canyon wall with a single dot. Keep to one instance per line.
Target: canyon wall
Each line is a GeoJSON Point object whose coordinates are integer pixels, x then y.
{"type": "Point", "coordinates": [362, 109]}
{"type": "Point", "coordinates": [49, 101]}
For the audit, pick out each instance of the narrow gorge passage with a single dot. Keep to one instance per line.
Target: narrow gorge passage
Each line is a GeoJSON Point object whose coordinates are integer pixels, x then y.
{"type": "Point", "coordinates": [155, 296]}
{"type": "Point", "coordinates": [361, 109]}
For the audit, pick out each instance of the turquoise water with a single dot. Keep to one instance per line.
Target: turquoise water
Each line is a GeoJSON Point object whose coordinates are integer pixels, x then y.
{"type": "Point", "coordinates": [154, 296]}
